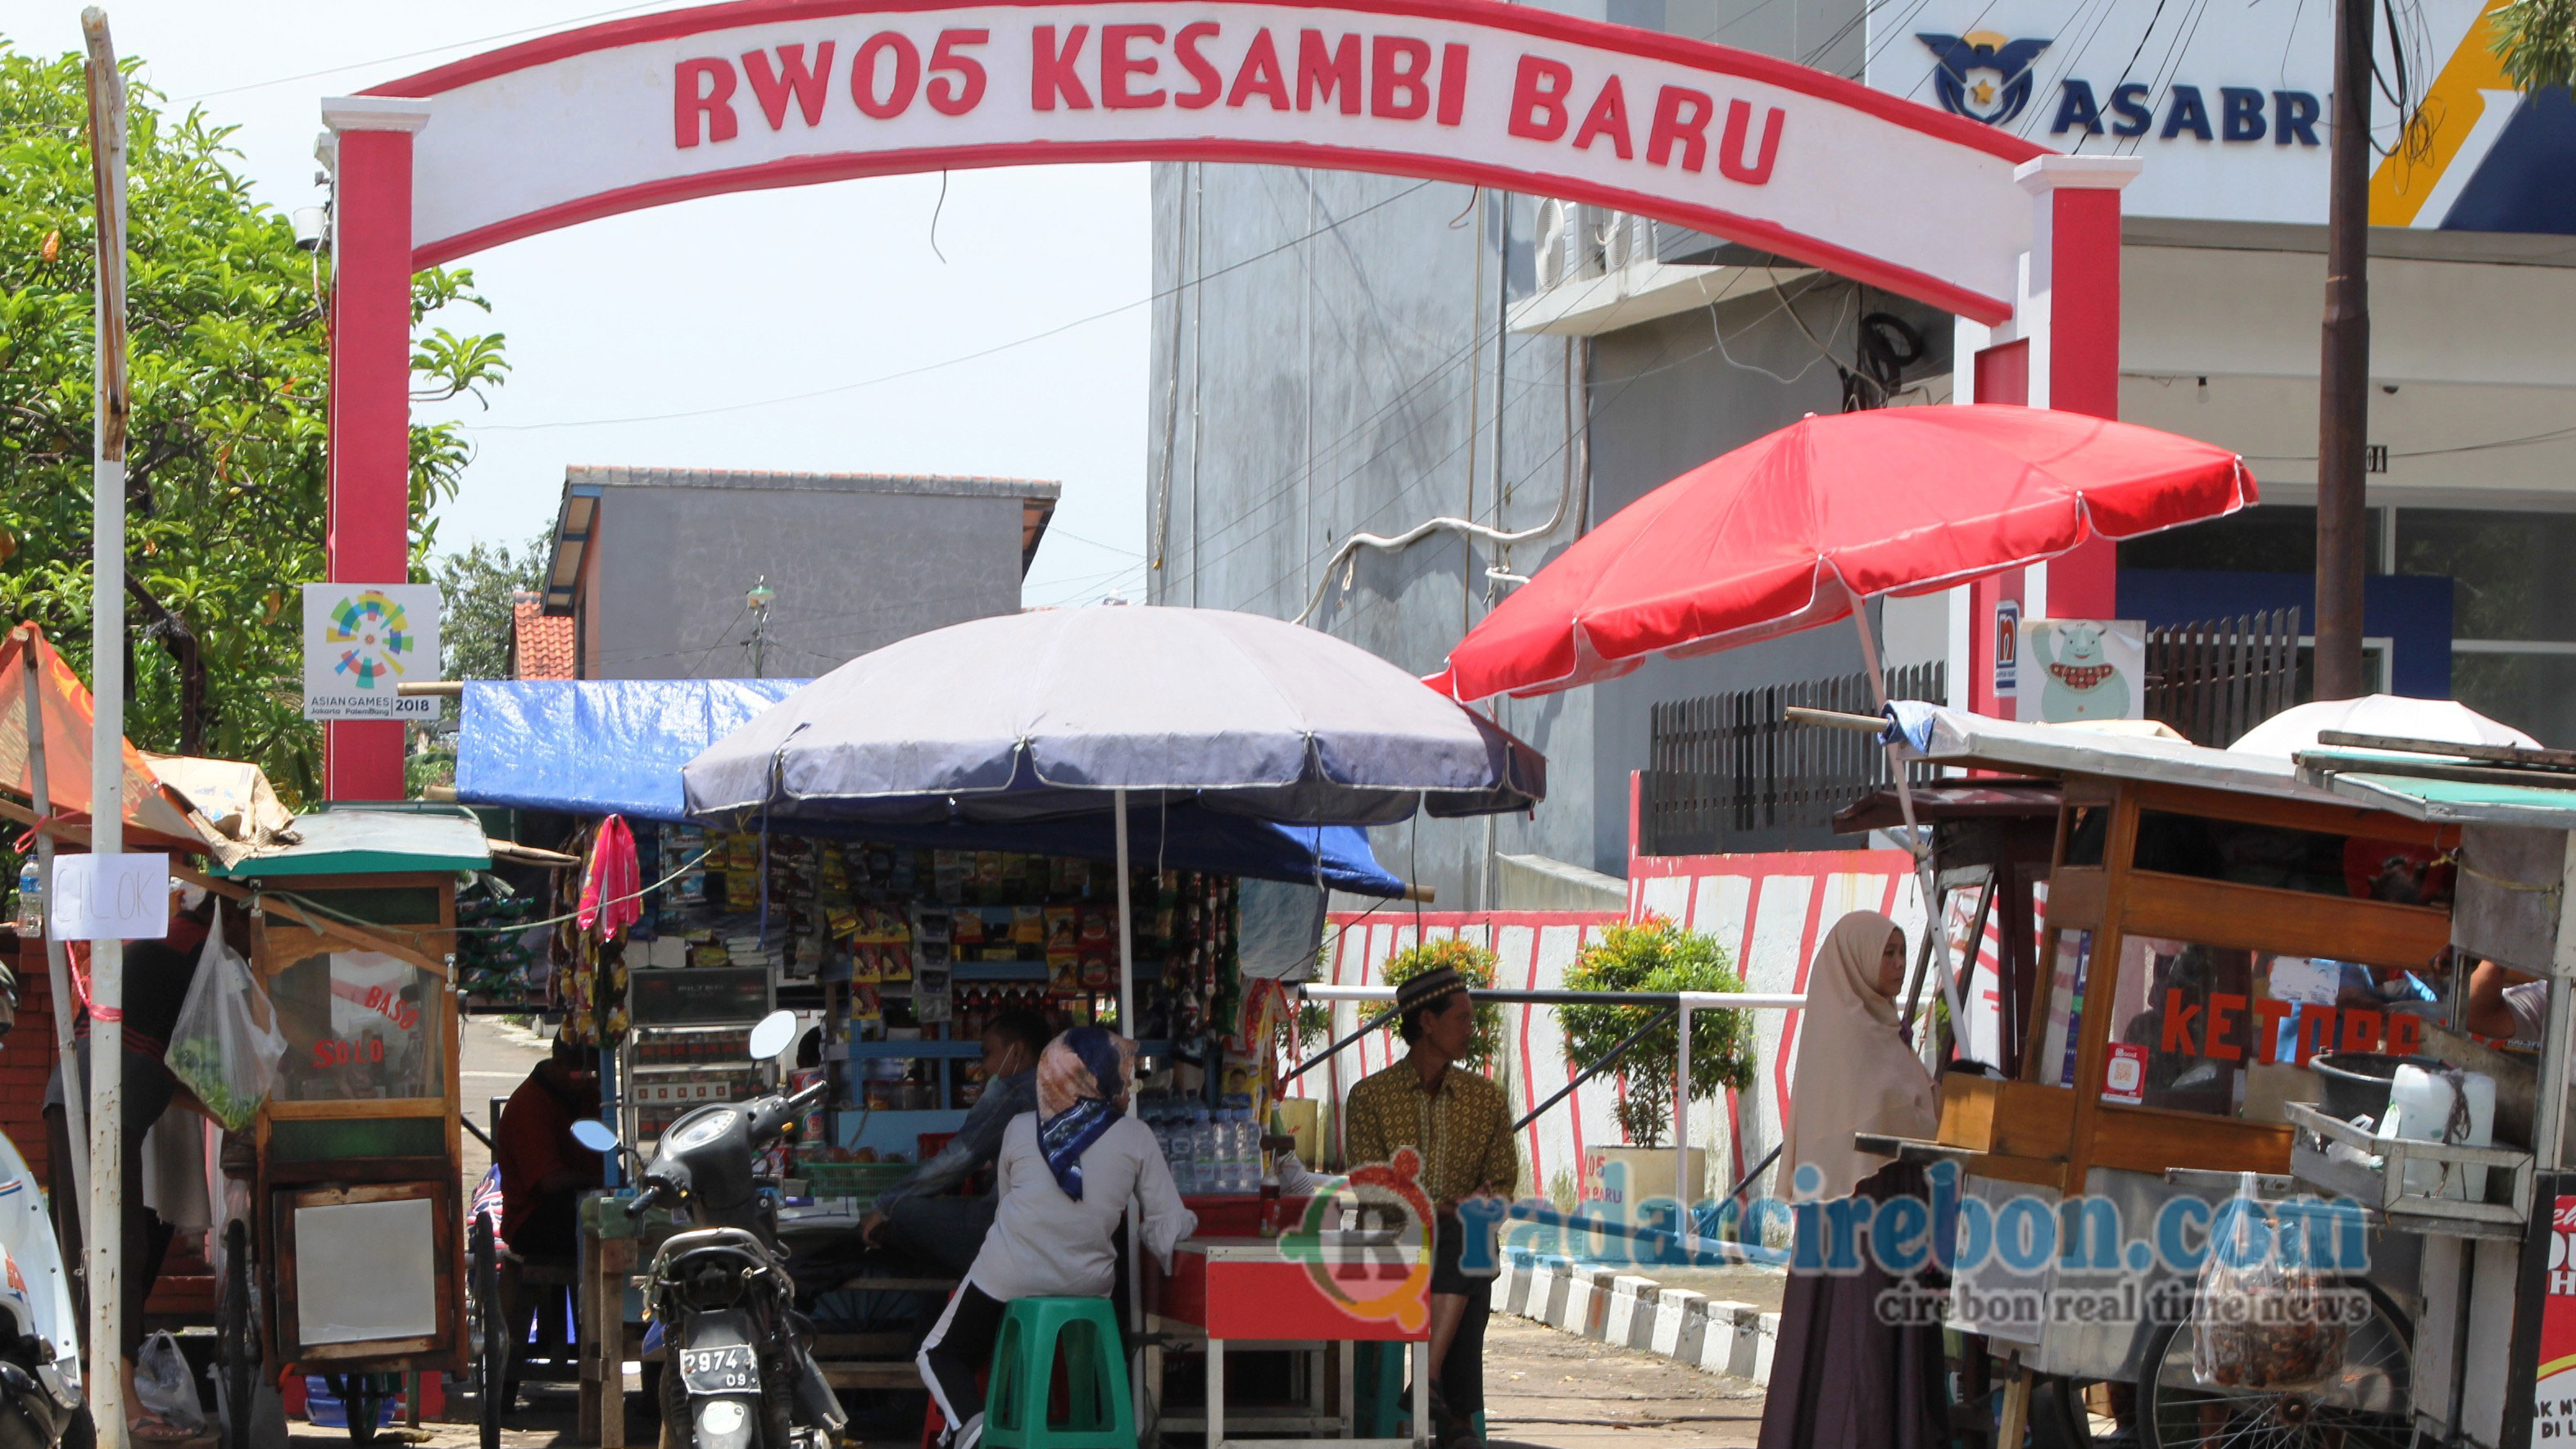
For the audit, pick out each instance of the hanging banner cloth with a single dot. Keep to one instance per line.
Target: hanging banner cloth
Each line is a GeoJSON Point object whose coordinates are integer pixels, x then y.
{"type": "Point", "coordinates": [152, 821]}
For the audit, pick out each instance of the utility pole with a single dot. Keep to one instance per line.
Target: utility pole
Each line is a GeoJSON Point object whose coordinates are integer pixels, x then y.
{"type": "Point", "coordinates": [758, 601]}
{"type": "Point", "coordinates": [106, 93]}
{"type": "Point", "coordinates": [2343, 373]}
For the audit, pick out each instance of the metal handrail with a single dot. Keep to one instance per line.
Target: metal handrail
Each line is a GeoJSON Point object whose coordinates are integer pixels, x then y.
{"type": "Point", "coordinates": [1674, 1003]}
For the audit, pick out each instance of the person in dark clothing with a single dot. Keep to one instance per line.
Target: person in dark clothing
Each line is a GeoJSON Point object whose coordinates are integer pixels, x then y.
{"type": "Point", "coordinates": [544, 1171]}
{"type": "Point", "coordinates": [921, 1217]}
{"type": "Point", "coordinates": [157, 975]}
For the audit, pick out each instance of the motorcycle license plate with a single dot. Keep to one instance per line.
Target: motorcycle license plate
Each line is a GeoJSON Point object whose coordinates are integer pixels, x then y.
{"type": "Point", "coordinates": [728, 1370]}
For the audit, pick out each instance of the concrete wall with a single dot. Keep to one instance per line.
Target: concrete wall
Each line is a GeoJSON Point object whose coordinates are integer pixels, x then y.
{"type": "Point", "coordinates": [853, 571]}
{"type": "Point", "coordinates": [1335, 371]}
{"type": "Point", "coordinates": [1326, 361]}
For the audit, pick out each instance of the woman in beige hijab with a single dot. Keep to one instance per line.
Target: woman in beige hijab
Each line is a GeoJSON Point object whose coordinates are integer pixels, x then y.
{"type": "Point", "coordinates": [1855, 1072]}
{"type": "Point", "coordinates": [1841, 1374]}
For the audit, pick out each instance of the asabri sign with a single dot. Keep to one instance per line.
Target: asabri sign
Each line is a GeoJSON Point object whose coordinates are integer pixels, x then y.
{"type": "Point", "coordinates": [632, 114]}
{"type": "Point", "coordinates": [2228, 105]}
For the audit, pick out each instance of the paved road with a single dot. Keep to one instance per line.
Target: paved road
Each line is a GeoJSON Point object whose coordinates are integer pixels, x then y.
{"type": "Point", "coordinates": [1545, 1387]}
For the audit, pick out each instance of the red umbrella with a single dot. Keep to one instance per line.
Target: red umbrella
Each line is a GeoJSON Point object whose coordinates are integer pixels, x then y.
{"type": "Point", "coordinates": [1785, 533]}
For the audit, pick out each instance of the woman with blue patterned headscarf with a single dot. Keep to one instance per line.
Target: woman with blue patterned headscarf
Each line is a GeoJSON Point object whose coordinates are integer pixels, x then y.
{"type": "Point", "coordinates": [1066, 1175]}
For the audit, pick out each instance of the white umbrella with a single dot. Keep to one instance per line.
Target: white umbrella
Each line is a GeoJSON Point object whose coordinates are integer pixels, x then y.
{"type": "Point", "coordinates": [2394, 716]}
{"type": "Point", "coordinates": [1073, 711]}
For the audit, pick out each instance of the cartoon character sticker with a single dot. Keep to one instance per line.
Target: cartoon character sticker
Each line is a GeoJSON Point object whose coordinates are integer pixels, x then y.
{"type": "Point", "coordinates": [2085, 669]}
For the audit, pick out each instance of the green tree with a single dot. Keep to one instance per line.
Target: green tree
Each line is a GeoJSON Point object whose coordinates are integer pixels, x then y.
{"type": "Point", "coordinates": [230, 364]}
{"type": "Point", "coordinates": [2536, 40]}
{"type": "Point", "coordinates": [476, 588]}
{"type": "Point", "coordinates": [1656, 955]}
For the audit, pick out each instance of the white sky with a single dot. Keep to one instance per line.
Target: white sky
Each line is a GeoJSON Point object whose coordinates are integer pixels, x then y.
{"type": "Point", "coordinates": [733, 301]}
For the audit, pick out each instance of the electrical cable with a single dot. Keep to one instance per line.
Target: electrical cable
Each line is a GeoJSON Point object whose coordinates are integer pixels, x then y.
{"type": "Point", "coordinates": [975, 356]}
{"type": "Point", "coordinates": [1345, 553]}
{"type": "Point", "coordinates": [549, 27]}
{"type": "Point", "coordinates": [307, 904]}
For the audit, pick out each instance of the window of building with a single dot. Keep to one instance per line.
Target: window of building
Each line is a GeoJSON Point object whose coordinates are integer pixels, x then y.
{"type": "Point", "coordinates": [2513, 647]}
{"type": "Point", "coordinates": [2271, 538]}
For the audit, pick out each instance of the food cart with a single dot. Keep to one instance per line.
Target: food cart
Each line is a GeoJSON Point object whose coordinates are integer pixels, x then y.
{"type": "Point", "coordinates": [2495, 1350]}
{"type": "Point", "coordinates": [350, 1265]}
{"type": "Point", "coordinates": [2206, 911]}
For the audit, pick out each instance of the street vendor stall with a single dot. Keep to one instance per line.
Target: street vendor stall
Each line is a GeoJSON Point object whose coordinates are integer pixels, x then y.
{"type": "Point", "coordinates": [350, 1265]}
{"type": "Point", "coordinates": [913, 925]}
{"type": "Point", "coordinates": [2232, 958]}
{"type": "Point", "coordinates": [1129, 718]}
{"type": "Point", "coordinates": [2495, 1352]}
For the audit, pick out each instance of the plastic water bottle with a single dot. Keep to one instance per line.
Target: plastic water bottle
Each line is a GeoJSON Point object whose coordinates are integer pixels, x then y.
{"type": "Point", "coordinates": [31, 900]}
{"type": "Point", "coordinates": [1225, 1150]}
{"type": "Point", "coordinates": [1247, 1152]}
{"type": "Point", "coordinates": [1202, 1139]}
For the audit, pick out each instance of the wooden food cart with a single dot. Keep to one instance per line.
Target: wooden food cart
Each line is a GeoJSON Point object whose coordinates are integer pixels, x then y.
{"type": "Point", "coordinates": [2205, 913]}
{"type": "Point", "coordinates": [350, 1266]}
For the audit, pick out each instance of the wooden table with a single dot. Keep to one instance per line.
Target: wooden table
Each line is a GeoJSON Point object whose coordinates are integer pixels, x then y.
{"type": "Point", "coordinates": [1322, 1297]}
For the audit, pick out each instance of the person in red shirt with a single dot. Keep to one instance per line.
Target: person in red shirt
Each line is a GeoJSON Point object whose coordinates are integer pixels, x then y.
{"type": "Point", "coordinates": [544, 1171]}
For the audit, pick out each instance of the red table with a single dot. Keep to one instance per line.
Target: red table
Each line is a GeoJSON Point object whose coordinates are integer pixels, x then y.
{"type": "Point", "coordinates": [1324, 1294]}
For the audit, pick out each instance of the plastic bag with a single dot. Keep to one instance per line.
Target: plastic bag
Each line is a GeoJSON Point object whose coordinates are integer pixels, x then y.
{"type": "Point", "coordinates": [161, 1381]}
{"type": "Point", "coordinates": [2263, 1318]}
{"type": "Point", "coordinates": [226, 1046]}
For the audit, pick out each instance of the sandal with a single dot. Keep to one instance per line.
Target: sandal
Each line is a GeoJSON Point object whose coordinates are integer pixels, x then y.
{"type": "Point", "coordinates": [151, 1428]}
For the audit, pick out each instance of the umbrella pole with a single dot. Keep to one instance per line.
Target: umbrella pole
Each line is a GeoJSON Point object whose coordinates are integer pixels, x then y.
{"type": "Point", "coordinates": [1126, 928]}
{"type": "Point", "coordinates": [1934, 924]}
{"type": "Point", "coordinates": [1130, 1029]}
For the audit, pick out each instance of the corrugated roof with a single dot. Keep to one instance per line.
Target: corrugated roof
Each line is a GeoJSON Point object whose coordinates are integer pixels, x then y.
{"type": "Point", "coordinates": [372, 838]}
{"type": "Point", "coordinates": [540, 645]}
{"type": "Point", "coordinates": [935, 484]}
{"type": "Point", "coordinates": [585, 482]}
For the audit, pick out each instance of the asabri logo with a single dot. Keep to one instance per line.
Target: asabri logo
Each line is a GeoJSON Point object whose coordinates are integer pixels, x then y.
{"type": "Point", "coordinates": [1987, 77]}
{"type": "Point", "coordinates": [1982, 75]}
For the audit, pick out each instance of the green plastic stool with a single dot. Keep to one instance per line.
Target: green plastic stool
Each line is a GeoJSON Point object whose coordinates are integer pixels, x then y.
{"type": "Point", "coordinates": [1099, 1413]}
{"type": "Point", "coordinates": [1378, 1389]}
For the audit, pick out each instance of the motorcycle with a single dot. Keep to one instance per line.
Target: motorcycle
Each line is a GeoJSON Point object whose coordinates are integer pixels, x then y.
{"type": "Point", "coordinates": [41, 1402]}
{"type": "Point", "coordinates": [742, 1373]}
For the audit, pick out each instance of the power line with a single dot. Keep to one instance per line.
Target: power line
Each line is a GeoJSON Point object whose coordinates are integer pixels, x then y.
{"type": "Point", "coordinates": [546, 28]}
{"type": "Point", "coordinates": [927, 367]}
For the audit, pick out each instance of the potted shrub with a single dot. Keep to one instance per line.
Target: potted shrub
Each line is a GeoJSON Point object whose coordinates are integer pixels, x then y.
{"type": "Point", "coordinates": [1656, 955]}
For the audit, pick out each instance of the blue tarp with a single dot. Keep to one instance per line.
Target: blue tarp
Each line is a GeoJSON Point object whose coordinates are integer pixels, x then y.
{"type": "Point", "coordinates": [597, 746]}
{"type": "Point", "coordinates": [615, 746]}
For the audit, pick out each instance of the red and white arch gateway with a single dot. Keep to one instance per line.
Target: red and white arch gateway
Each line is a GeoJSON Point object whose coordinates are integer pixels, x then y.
{"type": "Point", "coordinates": [635, 113]}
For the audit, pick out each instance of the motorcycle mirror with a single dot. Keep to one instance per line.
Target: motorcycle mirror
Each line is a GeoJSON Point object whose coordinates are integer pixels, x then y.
{"type": "Point", "coordinates": [775, 1034]}
{"type": "Point", "coordinates": [595, 1135]}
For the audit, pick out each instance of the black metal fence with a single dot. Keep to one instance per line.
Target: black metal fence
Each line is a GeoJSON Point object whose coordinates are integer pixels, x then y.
{"type": "Point", "coordinates": [2214, 679]}
{"type": "Point", "coordinates": [1726, 772]}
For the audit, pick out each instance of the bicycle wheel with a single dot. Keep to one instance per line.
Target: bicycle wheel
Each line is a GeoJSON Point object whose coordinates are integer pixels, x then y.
{"type": "Point", "coordinates": [237, 1342]}
{"type": "Point", "coordinates": [491, 1335]}
{"type": "Point", "coordinates": [2369, 1407]}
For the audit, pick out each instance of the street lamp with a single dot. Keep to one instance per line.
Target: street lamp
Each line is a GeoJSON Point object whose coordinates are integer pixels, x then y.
{"type": "Point", "coordinates": [758, 601]}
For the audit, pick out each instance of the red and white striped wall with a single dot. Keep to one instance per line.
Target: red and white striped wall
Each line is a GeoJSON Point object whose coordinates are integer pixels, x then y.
{"type": "Point", "coordinates": [1769, 911]}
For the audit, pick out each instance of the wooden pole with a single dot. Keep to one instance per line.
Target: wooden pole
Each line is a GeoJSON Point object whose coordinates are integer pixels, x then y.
{"type": "Point", "coordinates": [2015, 1419]}
{"type": "Point", "coordinates": [2343, 375]}
{"type": "Point", "coordinates": [57, 964]}
{"type": "Point", "coordinates": [107, 134]}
